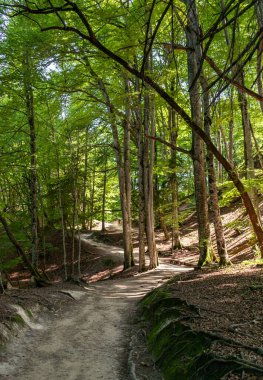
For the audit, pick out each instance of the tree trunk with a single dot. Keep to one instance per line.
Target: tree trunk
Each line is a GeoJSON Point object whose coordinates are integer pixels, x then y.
{"type": "Point", "coordinates": [219, 165]}
{"type": "Point", "coordinates": [125, 218]}
{"type": "Point", "coordinates": [176, 244]}
{"type": "Point", "coordinates": [142, 266]}
{"type": "Point", "coordinates": [103, 229]}
{"type": "Point", "coordinates": [213, 191]}
{"type": "Point", "coordinates": [148, 182]}
{"type": "Point", "coordinates": [259, 14]}
{"type": "Point", "coordinates": [140, 158]}
{"type": "Point", "coordinates": [29, 97]}
{"type": "Point", "coordinates": [231, 130]}
{"type": "Point", "coordinates": [148, 155]}
{"type": "Point", "coordinates": [193, 59]}
{"type": "Point", "coordinates": [248, 149]}
{"type": "Point", "coordinates": [84, 200]}
{"type": "Point", "coordinates": [61, 208]}
{"type": "Point", "coordinates": [127, 165]}
{"type": "Point", "coordinates": [74, 214]}
{"type": "Point", "coordinates": [92, 193]}
{"type": "Point", "coordinates": [123, 175]}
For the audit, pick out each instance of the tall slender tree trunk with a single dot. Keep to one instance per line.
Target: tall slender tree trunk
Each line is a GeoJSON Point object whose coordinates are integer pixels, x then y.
{"type": "Point", "coordinates": [125, 218]}
{"type": "Point", "coordinates": [33, 188]}
{"type": "Point", "coordinates": [123, 174]}
{"type": "Point", "coordinates": [231, 130]}
{"type": "Point", "coordinates": [193, 58]}
{"type": "Point", "coordinates": [84, 199]}
{"type": "Point", "coordinates": [248, 148]}
{"type": "Point", "coordinates": [61, 208]}
{"type": "Point", "coordinates": [148, 181]}
{"type": "Point", "coordinates": [127, 165]}
{"type": "Point", "coordinates": [176, 244]}
{"type": "Point", "coordinates": [73, 232]}
{"type": "Point", "coordinates": [148, 156]}
{"type": "Point", "coordinates": [103, 229]}
{"type": "Point", "coordinates": [259, 15]}
{"type": "Point", "coordinates": [219, 165]}
{"type": "Point", "coordinates": [92, 194]}
{"type": "Point", "coordinates": [213, 191]}
{"type": "Point", "coordinates": [140, 158]}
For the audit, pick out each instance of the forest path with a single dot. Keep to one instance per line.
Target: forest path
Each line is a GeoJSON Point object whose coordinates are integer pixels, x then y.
{"type": "Point", "coordinates": [90, 339]}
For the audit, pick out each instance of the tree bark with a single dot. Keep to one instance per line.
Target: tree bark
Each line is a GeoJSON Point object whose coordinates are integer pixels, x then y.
{"type": "Point", "coordinates": [127, 165]}
{"type": "Point", "coordinates": [84, 200]}
{"type": "Point", "coordinates": [103, 229]}
{"type": "Point", "coordinates": [61, 208]}
{"type": "Point", "coordinates": [248, 149]}
{"type": "Point", "coordinates": [123, 175]}
{"type": "Point", "coordinates": [148, 155]}
{"type": "Point", "coordinates": [92, 193]}
{"type": "Point", "coordinates": [231, 131]}
{"type": "Point", "coordinates": [148, 182]}
{"type": "Point", "coordinates": [219, 165]}
{"type": "Point", "coordinates": [176, 244]}
{"type": "Point", "coordinates": [213, 191]}
{"type": "Point", "coordinates": [193, 58]}
{"type": "Point", "coordinates": [259, 15]}
{"type": "Point", "coordinates": [33, 188]}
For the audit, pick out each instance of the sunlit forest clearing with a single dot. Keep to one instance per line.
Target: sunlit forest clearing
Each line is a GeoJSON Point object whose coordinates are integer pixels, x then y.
{"type": "Point", "coordinates": [131, 151]}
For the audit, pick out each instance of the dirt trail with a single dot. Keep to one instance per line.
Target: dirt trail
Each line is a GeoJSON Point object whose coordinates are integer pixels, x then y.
{"type": "Point", "coordinates": [89, 340]}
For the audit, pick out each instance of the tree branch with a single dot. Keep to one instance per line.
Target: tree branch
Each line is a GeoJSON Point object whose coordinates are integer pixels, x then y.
{"type": "Point", "coordinates": [172, 146]}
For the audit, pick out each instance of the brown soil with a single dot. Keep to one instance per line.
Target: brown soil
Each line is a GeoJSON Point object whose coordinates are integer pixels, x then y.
{"type": "Point", "coordinates": [230, 306]}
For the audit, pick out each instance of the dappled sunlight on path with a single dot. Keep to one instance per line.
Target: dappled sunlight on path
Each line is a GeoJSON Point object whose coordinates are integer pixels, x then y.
{"type": "Point", "coordinates": [90, 340]}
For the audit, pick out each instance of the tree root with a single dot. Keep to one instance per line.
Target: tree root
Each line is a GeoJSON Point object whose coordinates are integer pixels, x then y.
{"type": "Point", "coordinates": [236, 365]}
{"type": "Point", "coordinates": [233, 343]}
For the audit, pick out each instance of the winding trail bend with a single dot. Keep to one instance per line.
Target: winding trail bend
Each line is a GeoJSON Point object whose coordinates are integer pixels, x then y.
{"type": "Point", "coordinates": [86, 341]}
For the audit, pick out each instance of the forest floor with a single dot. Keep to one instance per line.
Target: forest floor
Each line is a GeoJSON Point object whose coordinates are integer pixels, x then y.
{"type": "Point", "coordinates": [82, 332]}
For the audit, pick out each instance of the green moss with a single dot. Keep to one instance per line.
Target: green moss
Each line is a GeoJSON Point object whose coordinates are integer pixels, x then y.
{"type": "Point", "coordinates": [162, 335]}
{"type": "Point", "coordinates": [154, 296]}
{"type": "Point", "coordinates": [175, 348]}
{"type": "Point", "coordinates": [17, 319]}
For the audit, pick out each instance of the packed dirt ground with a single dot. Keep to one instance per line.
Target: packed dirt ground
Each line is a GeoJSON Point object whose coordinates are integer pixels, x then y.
{"type": "Point", "coordinates": [230, 300]}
